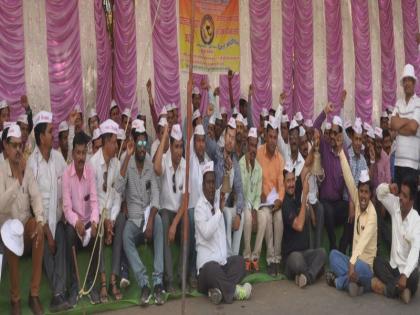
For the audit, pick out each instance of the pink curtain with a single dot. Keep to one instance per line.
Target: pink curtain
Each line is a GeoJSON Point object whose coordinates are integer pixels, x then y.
{"type": "Point", "coordinates": [363, 72]}
{"type": "Point", "coordinates": [260, 30]}
{"type": "Point", "coordinates": [104, 63]}
{"type": "Point", "coordinates": [288, 25]}
{"type": "Point", "coordinates": [304, 71]}
{"type": "Point", "coordinates": [64, 61]}
{"type": "Point", "coordinates": [165, 54]}
{"type": "Point", "coordinates": [12, 54]}
{"type": "Point", "coordinates": [334, 43]}
{"type": "Point", "coordinates": [411, 28]}
{"type": "Point", "coordinates": [224, 91]}
{"type": "Point", "coordinates": [125, 67]}
{"type": "Point", "coordinates": [388, 73]}
{"type": "Point", "coordinates": [197, 78]}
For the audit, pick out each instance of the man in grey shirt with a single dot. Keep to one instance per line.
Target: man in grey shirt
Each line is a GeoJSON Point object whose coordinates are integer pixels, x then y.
{"type": "Point", "coordinates": [138, 180]}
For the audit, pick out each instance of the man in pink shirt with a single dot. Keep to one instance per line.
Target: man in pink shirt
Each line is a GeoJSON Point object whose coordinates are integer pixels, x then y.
{"type": "Point", "coordinates": [80, 207]}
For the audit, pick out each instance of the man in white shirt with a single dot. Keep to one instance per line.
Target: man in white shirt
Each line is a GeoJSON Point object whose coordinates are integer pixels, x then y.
{"type": "Point", "coordinates": [155, 145]}
{"type": "Point", "coordinates": [293, 156]}
{"type": "Point", "coordinates": [47, 166]}
{"type": "Point", "coordinates": [218, 275]}
{"type": "Point", "coordinates": [106, 167]}
{"type": "Point", "coordinates": [399, 277]}
{"type": "Point", "coordinates": [171, 167]}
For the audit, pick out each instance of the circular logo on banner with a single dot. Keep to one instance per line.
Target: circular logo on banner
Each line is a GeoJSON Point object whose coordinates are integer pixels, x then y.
{"type": "Point", "coordinates": [207, 29]}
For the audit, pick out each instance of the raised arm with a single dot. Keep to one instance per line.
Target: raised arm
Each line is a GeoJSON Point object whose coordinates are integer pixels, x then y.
{"type": "Point", "coordinates": [155, 116]}
{"type": "Point", "coordinates": [157, 163]}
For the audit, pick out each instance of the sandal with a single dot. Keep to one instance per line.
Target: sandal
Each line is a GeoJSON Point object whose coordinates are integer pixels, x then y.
{"type": "Point", "coordinates": [103, 293]}
{"type": "Point", "coordinates": [113, 289]}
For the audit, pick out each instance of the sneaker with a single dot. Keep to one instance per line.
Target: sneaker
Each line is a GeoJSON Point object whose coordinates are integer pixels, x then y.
{"type": "Point", "coordinates": [215, 296]}
{"type": "Point", "coordinates": [243, 292]}
{"type": "Point", "coordinates": [405, 296]}
{"type": "Point", "coordinates": [255, 265]}
{"type": "Point", "coordinates": [124, 283]}
{"type": "Point", "coordinates": [145, 296]}
{"type": "Point", "coordinates": [355, 289]}
{"type": "Point", "coordinates": [94, 297]}
{"type": "Point", "coordinates": [271, 269]}
{"type": "Point", "coordinates": [58, 304]}
{"type": "Point", "coordinates": [247, 265]}
{"type": "Point", "coordinates": [330, 278]}
{"type": "Point", "coordinates": [159, 295]}
{"type": "Point", "coordinates": [301, 281]}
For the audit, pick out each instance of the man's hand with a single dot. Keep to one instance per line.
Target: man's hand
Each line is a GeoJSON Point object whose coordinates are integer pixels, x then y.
{"type": "Point", "coordinates": [222, 201]}
{"type": "Point", "coordinates": [393, 188]}
{"type": "Point", "coordinates": [210, 110]}
{"type": "Point", "coordinates": [216, 91]}
{"type": "Point", "coordinates": [172, 232]}
{"type": "Point", "coordinates": [402, 282]}
{"type": "Point", "coordinates": [94, 229]}
{"type": "Point", "coordinates": [230, 75]}
{"type": "Point", "coordinates": [72, 117]}
{"type": "Point", "coordinates": [351, 213]}
{"type": "Point", "coordinates": [149, 87]}
{"type": "Point", "coordinates": [38, 233]}
{"type": "Point", "coordinates": [352, 274]}
{"type": "Point", "coordinates": [277, 205]}
{"type": "Point", "coordinates": [80, 228]}
{"type": "Point", "coordinates": [148, 233]}
{"type": "Point", "coordinates": [282, 97]}
{"type": "Point", "coordinates": [254, 216]}
{"type": "Point", "coordinates": [130, 148]}
{"type": "Point", "coordinates": [24, 102]}
{"type": "Point", "coordinates": [328, 108]}
{"type": "Point", "coordinates": [236, 222]}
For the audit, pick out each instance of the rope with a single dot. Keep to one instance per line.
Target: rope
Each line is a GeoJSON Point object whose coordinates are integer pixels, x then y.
{"type": "Point", "coordinates": [100, 232]}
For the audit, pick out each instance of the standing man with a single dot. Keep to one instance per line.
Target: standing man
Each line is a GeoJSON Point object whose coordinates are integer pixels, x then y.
{"type": "Point", "coordinates": [47, 166]}
{"type": "Point", "coordinates": [114, 112]}
{"type": "Point", "coordinates": [4, 113]}
{"type": "Point", "coordinates": [18, 194]}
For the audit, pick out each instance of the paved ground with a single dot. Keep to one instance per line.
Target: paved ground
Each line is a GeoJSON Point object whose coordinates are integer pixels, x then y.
{"type": "Point", "coordinates": [283, 297]}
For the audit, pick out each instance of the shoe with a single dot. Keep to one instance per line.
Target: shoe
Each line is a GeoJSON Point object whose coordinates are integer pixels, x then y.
{"type": "Point", "coordinates": [159, 295]}
{"type": "Point", "coordinates": [215, 296]}
{"type": "Point", "coordinates": [58, 304]}
{"type": "Point", "coordinates": [330, 278]}
{"type": "Point", "coordinates": [271, 269]}
{"type": "Point", "coordinates": [15, 308]}
{"type": "Point", "coordinates": [247, 265]}
{"type": "Point", "coordinates": [355, 289]}
{"type": "Point", "coordinates": [145, 296]}
{"type": "Point", "coordinates": [405, 296]}
{"type": "Point", "coordinates": [35, 305]}
{"type": "Point", "coordinates": [124, 283]}
{"type": "Point", "coordinates": [243, 292]}
{"type": "Point", "coordinates": [301, 281]}
{"type": "Point", "coordinates": [193, 282]}
{"type": "Point", "coordinates": [94, 297]}
{"type": "Point", "coordinates": [255, 265]}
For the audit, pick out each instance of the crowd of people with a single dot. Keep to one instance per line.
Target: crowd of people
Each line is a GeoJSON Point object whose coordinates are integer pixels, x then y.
{"type": "Point", "coordinates": [284, 180]}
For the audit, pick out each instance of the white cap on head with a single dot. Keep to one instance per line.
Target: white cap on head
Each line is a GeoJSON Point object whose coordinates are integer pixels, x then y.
{"type": "Point", "coordinates": [371, 133]}
{"type": "Point", "coordinates": [223, 111]}
{"type": "Point", "coordinates": [14, 131]}
{"type": "Point", "coordinates": [212, 119]}
{"type": "Point", "coordinates": [163, 111]}
{"type": "Point", "coordinates": [140, 127]}
{"type": "Point", "coordinates": [127, 112]}
{"type": "Point", "coordinates": [293, 124]}
{"type": "Point", "coordinates": [408, 72]}
{"type": "Point", "coordinates": [284, 119]}
{"type": "Point", "coordinates": [240, 119]}
{"type": "Point", "coordinates": [232, 123]}
{"type": "Point", "coordinates": [364, 176]}
{"type": "Point", "coordinates": [264, 112]}
{"type": "Point", "coordinates": [3, 104]}
{"type": "Point", "coordinates": [208, 167]}
{"type": "Point", "coordinates": [162, 122]}
{"type": "Point", "coordinates": [113, 104]}
{"type": "Point", "coordinates": [298, 116]}
{"type": "Point", "coordinates": [245, 121]}
{"type": "Point", "coordinates": [378, 132]}
{"type": "Point", "coordinates": [78, 108]}
{"type": "Point", "coordinates": [92, 113]}
{"type": "Point", "coordinates": [243, 96]}
{"type": "Point", "coordinates": [273, 122]}
{"type": "Point", "coordinates": [337, 121]}
{"type": "Point", "coordinates": [63, 126]}
{"type": "Point", "coordinates": [176, 132]}
{"type": "Point", "coordinates": [196, 91]}
{"type": "Point", "coordinates": [136, 123]}
{"type": "Point", "coordinates": [8, 124]}
{"type": "Point", "coordinates": [302, 131]}
{"type": "Point", "coordinates": [309, 123]}
{"type": "Point", "coordinates": [121, 134]}
{"type": "Point", "coordinates": [366, 126]}
{"type": "Point", "coordinates": [196, 114]}
{"type": "Point", "coordinates": [218, 116]}
{"type": "Point", "coordinates": [327, 125]}
{"type": "Point", "coordinates": [253, 133]}
{"type": "Point", "coordinates": [96, 134]}
{"type": "Point", "coordinates": [109, 126]}
{"type": "Point", "coordinates": [358, 120]}
{"type": "Point", "coordinates": [235, 111]}
{"type": "Point", "coordinates": [384, 114]}
{"type": "Point", "coordinates": [357, 128]}
{"type": "Point", "coordinates": [12, 236]}
{"type": "Point", "coordinates": [42, 117]}
{"type": "Point", "coordinates": [347, 124]}
{"type": "Point", "coordinates": [199, 130]}
{"type": "Point", "coordinates": [23, 118]}
{"type": "Point", "coordinates": [289, 167]}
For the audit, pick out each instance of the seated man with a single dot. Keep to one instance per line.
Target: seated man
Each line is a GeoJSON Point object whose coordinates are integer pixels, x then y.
{"type": "Point", "coordinates": [355, 274]}
{"type": "Point", "coordinates": [18, 194]}
{"type": "Point", "coordinates": [303, 264]}
{"type": "Point", "coordinates": [400, 276]}
{"type": "Point", "coordinates": [47, 166]}
{"type": "Point", "coordinates": [81, 210]}
{"type": "Point", "coordinates": [138, 182]}
{"type": "Point", "coordinates": [218, 274]}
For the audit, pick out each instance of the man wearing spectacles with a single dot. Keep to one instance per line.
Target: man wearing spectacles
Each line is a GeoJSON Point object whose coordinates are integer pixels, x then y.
{"type": "Point", "coordinates": [171, 168]}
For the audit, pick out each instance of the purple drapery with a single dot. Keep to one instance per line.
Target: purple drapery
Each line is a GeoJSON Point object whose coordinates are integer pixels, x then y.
{"type": "Point", "coordinates": [411, 28]}
{"type": "Point", "coordinates": [125, 68]}
{"type": "Point", "coordinates": [288, 25]}
{"type": "Point", "coordinates": [165, 54]}
{"type": "Point", "coordinates": [304, 71]}
{"type": "Point", "coordinates": [12, 54]}
{"type": "Point", "coordinates": [388, 73]}
{"type": "Point", "coordinates": [224, 92]}
{"type": "Point", "coordinates": [104, 63]}
{"type": "Point", "coordinates": [64, 61]}
{"type": "Point", "coordinates": [363, 72]}
{"type": "Point", "coordinates": [197, 77]}
{"type": "Point", "coordinates": [334, 42]}
{"type": "Point", "coordinates": [260, 29]}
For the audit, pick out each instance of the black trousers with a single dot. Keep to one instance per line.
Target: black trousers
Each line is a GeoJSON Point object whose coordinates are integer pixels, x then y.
{"type": "Point", "coordinates": [336, 213]}
{"type": "Point", "coordinates": [225, 278]}
{"type": "Point", "coordinates": [308, 262]}
{"type": "Point", "coordinates": [390, 276]}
